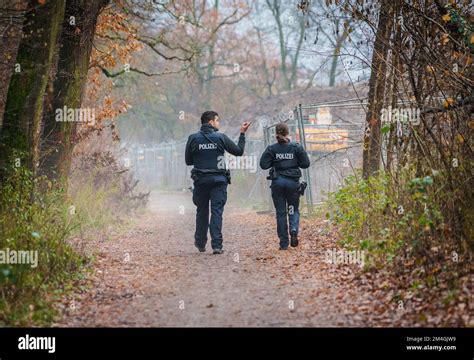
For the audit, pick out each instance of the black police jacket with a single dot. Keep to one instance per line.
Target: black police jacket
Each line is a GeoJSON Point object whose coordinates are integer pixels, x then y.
{"type": "Point", "coordinates": [286, 159]}
{"type": "Point", "coordinates": [205, 149]}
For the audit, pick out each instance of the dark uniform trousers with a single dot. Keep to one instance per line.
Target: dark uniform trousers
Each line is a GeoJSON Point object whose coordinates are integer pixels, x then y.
{"type": "Point", "coordinates": [286, 197]}
{"type": "Point", "coordinates": [285, 159]}
{"type": "Point", "coordinates": [213, 189]}
{"type": "Point", "coordinates": [205, 150]}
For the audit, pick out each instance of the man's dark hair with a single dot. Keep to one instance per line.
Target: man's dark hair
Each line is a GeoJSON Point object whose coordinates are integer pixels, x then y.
{"type": "Point", "coordinates": [208, 116]}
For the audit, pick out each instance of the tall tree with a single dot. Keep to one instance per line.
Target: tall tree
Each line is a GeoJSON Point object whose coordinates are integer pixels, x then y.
{"type": "Point", "coordinates": [24, 106]}
{"type": "Point", "coordinates": [11, 21]}
{"type": "Point", "coordinates": [341, 34]}
{"type": "Point", "coordinates": [68, 86]}
{"type": "Point", "coordinates": [373, 135]}
{"type": "Point", "coordinates": [288, 71]}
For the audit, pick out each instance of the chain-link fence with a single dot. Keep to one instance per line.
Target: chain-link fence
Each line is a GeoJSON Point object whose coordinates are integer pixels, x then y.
{"type": "Point", "coordinates": [162, 167]}
{"type": "Point", "coordinates": [332, 134]}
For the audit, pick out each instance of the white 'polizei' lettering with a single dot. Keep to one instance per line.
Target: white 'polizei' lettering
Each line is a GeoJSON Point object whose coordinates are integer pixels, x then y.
{"type": "Point", "coordinates": [207, 146]}
{"type": "Point", "coordinates": [37, 343]}
{"type": "Point", "coordinates": [284, 156]}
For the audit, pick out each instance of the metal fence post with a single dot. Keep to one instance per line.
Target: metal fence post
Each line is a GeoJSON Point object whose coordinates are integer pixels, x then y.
{"type": "Point", "coordinates": [266, 142]}
{"type": "Point", "coordinates": [306, 175]}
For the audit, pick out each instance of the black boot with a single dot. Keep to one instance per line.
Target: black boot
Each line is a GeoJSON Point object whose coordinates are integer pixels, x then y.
{"type": "Point", "coordinates": [294, 239]}
{"type": "Point", "coordinates": [201, 249]}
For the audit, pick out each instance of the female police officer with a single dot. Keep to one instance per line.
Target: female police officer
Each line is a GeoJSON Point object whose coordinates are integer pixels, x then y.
{"type": "Point", "coordinates": [285, 158]}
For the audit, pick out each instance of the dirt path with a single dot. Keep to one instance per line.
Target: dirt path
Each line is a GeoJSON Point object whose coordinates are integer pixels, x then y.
{"type": "Point", "coordinates": [153, 276]}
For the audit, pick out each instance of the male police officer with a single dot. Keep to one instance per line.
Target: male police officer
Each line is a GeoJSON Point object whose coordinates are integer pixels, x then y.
{"type": "Point", "coordinates": [285, 158]}
{"type": "Point", "coordinates": [205, 150]}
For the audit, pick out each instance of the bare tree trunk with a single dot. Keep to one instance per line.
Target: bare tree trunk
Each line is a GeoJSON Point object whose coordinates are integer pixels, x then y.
{"type": "Point", "coordinates": [58, 138]}
{"type": "Point", "coordinates": [395, 69]}
{"type": "Point", "coordinates": [335, 57]}
{"type": "Point", "coordinates": [24, 107]}
{"type": "Point", "coordinates": [294, 60]}
{"type": "Point", "coordinates": [373, 136]}
{"type": "Point", "coordinates": [275, 8]}
{"type": "Point", "coordinates": [339, 41]}
{"type": "Point", "coordinates": [11, 21]}
{"type": "Point", "coordinates": [332, 71]}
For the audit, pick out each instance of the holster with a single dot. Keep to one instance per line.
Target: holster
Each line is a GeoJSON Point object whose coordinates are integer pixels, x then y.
{"type": "Point", "coordinates": [272, 174]}
{"type": "Point", "coordinates": [302, 187]}
{"type": "Point", "coordinates": [194, 176]}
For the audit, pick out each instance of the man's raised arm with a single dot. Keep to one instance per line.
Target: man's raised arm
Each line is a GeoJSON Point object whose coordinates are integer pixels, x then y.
{"type": "Point", "coordinates": [233, 148]}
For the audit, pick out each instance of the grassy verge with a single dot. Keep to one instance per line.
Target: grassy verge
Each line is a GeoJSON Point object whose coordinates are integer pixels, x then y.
{"type": "Point", "coordinates": [41, 232]}
{"type": "Point", "coordinates": [407, 234]}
